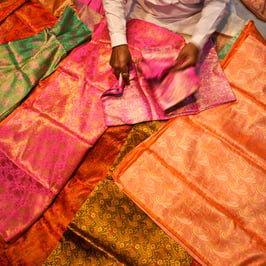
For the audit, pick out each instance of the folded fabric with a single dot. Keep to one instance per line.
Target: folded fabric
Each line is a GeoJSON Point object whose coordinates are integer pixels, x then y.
{"type": "Point", "coordinates": [87, 15]}
{"type": "Point", "coordinates": [257, 7]}
{"type": "Point", "coordinates": [48, 135]}
{"type": "Point", "coordinates": [202, 178]}
{"type": "Point", "coordinates": [168, 88]}
{"type": "Point", "coordinates": [96, 5]}
{"type": "Point", "coordinates": [109, 229]}
{"type": "Point", "coordinates": [57, 7]}
{"type": "Point", "coordinates": [144, 100]}
{"type": "Point", "coordinates": [18, 20]}
{"type": "Point", "coordinates": [42, 237]}
{"type": "Point", "coordinates": [176, 87]}
{"type": "Point", "coordinates": [25, 62]}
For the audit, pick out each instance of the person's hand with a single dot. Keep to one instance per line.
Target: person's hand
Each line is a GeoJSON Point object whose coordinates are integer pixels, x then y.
{"type": "Point", "coordinates": [120, 61]}
{"type": "Point", "coordinates": [187, 57]}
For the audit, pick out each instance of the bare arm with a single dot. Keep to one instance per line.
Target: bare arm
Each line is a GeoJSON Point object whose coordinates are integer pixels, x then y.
{"type": "Point", "coordinates": [120, 59]}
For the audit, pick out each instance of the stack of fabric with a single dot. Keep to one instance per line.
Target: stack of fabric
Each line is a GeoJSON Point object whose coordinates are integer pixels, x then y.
{"type": "Point", "coordinates": [76, 189]}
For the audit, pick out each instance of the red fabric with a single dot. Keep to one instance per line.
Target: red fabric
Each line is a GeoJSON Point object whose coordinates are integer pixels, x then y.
{"type": "Point", "coordinates": [18, 20]}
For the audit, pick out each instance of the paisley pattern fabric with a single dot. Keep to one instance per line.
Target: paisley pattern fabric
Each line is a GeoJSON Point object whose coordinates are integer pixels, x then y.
{"type": "Point", "coordinates": [138, 95]}
{"type": "Point", "coordinates": [109, 229]}
{"type": "Point", "coordinates": [137, 134]}
{"type": "Point", "coordinates": [204, 184]}
{"type": "Point", "coordinates": [72, 244]}
{"type": "Point", "coordinates": [35, 245]}
{"type": "Point", "coordinates": [66, 111]}
{"type": "Point", "coordinates": [25, 62]}
{"type": "Point", "coordinates": [18, 20]}
{"type": "Point", "coordinates": [57, 7]}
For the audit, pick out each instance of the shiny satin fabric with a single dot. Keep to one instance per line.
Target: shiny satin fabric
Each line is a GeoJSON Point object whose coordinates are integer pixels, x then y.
{"type": "Point", "coordinates": [18, 20]}
{"type": "Point", "coordinates": [57, 7]}
{"type": "Point", "coordinates": [71, 243]}
{"type": "Point", "coordinates": [87, 15]}
{"type": "Point", "coordinates": [138, 102]}
{"type": "Point", "coordinates": [95, 5]}
{"type": "Point", "coordinates": [109, 229]}
{"type": "Point", "coordinates": [169, 88]}
{"type": "Point", "coordinates": [25, 62]}
{"type": "Point", "coordinates": [62, 119]}
{"type": "Point", "coordinates": [41, 238]}
{"type": "Point", "coordinates": [205, 184]}
{"type": "Point", "coordinates": [38, 140]}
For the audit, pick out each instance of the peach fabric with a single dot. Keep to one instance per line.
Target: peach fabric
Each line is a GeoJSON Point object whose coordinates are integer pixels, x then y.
{"type": "Point", "coordinates": [202, 178]}
{"type": "Point", "coordinates": [257, 7]}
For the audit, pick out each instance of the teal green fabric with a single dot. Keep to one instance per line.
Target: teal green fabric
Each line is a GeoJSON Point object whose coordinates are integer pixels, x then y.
{"type": "Point", "coordinates": [25, 62]}
{"type": "Point", "coordinates": [224, 51]}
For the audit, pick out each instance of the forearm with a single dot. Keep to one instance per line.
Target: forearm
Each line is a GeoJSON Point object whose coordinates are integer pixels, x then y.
{"type": "Point", "coordinates": [115, 15]}
{"type": "Point", "coordinates": [211, 15]}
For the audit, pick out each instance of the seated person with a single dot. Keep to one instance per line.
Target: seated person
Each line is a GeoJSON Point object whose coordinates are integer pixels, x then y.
{"type": "Point", "coordinates": [198, 18]}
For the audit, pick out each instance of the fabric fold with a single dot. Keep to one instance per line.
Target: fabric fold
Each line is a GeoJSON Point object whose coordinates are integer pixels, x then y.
{"type": "Point", "coordinates": [202, 178]}
{"type": "Point", "coordinates": [18, 20]}
{"type": "Point", "coordinates": [141, 99]}
{"type": "Point", "coordinates": [112, 226]}
{"type": "Point", "coordinates": [25, 62]}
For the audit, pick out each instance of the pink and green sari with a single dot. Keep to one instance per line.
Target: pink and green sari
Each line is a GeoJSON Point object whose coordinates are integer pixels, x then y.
{"type": "Point", "coordinates": [25, 62]}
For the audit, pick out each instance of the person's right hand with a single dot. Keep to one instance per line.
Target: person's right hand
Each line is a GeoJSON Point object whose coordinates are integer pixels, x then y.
{"type": "Point", "coordinates": [120, 61]}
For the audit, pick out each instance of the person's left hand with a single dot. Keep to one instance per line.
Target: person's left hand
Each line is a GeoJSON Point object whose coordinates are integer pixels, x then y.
{"type": "Point", "coordinates": [187, 57]}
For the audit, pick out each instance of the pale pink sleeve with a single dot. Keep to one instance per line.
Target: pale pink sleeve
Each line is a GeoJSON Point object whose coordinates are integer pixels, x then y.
{"type": "Point", "coordinates": [211, 15]}
{"type": "Point", "coordinates": [115, 15]}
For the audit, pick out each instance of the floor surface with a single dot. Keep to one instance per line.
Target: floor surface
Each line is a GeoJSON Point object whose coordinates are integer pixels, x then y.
{"type": "Point", "coordinates": [244, 13]}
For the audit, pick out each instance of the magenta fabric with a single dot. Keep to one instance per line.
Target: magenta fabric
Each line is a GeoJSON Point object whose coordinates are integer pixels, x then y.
{"type": "Point", "coordinates": [96, 5]}
{"type": "Point", "coordinates": [44, 141]}
{"type": "Point", "coordinates": [168, 87]}
{"type": "Point", "coordinates": [146, 97]}
{"type": "Point", "coordinates": [18, 207]}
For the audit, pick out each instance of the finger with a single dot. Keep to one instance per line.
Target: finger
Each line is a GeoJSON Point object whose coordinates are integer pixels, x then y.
{"type": "Point", "coordinates": [125, 74]}
{"type": "Point", "coordinates": [183, 65]}
{"type": "Point", "coordinates": [116, 73]}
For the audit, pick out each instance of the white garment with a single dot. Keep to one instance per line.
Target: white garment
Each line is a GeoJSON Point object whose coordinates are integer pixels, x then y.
{"type": "Point", "coordinates": [198, 18]}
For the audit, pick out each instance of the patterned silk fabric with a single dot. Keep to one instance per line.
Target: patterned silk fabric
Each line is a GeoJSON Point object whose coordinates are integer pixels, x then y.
{"type": "Point", "coordinates": [25, 62]}
{"type": "Point", "coordinates": [202, 178]}
{"type": "Point", "coordinates": [81, 250]}
{"type": "Point", "coordinates": [18, 20]}
{"type": "Point", "coordinates": [138, 102]}
{"type": "Point", "coordinates": [57, 7]}
{"type": "Point", "coordinates": [95, 5]}
{"type": "Point", "coordinates": [59, 122]}
{"type": "Point", "coordinates": [110, 230]}
{"type": "Point", "coordinates": [35, 245]}
{"type": "Point", "coordinates": [87, 15]}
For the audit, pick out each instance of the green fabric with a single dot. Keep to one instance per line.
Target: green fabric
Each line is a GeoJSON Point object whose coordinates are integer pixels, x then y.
{"type": "Point", "coordinates": [24, 62]}
{"type": "Point", "coordinates": [224, 51]}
